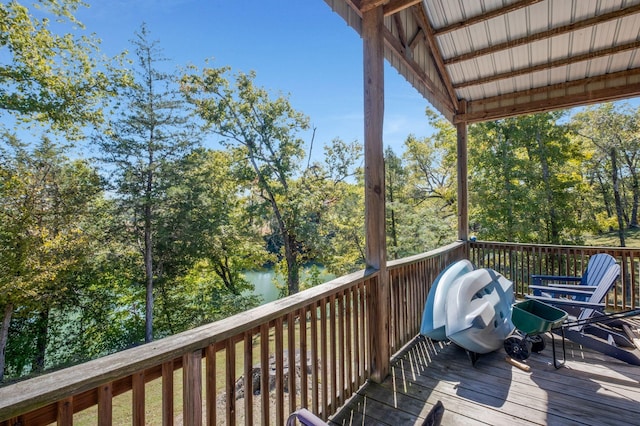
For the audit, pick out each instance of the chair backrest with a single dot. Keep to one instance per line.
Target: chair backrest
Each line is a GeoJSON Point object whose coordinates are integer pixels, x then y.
{"type": "Point", "coordinates": [596, 268]}
{"type": "Point", "coordinates": [607, 281]}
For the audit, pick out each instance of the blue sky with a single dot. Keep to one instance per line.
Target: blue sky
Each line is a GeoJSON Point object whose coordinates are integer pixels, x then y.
{"type": "Point", "coordinates": [296, 47]}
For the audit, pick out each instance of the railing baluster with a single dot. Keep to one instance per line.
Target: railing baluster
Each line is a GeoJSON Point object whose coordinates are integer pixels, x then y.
{"type": "Point", "coordinates": [341, 351]}
{"type": "Point", "coordinates": [230, 382]}
{"type": "Point", "coordinates": [304, 367]}
{"type": "Point", "coordinates": [279, 371]}
{"type": "Point", "coordinates": [314, 358]}
{"type": "Point", "coordinates": [137, 400]}
{"type": "Point", "coordinates": [211, 390]}
{"type": "Point", "coordinates": [105, 402]}
{"type": "Point", "coordinates": [248, 377]}
{"type": "Point", "coordinates": [167, 393]}
{"type": "Point", "coordinates": [291, 348]}
{"type": "Point", "coordinates": [192, 388]}
{"type": "Point", "coordinates": [349, 340]}
{"type": "Point", "coordinates": [264, 373]}
{"type": "Point", "coordinates": [65, 412]}
{"type": "Point", "coordinates": [324, 376]}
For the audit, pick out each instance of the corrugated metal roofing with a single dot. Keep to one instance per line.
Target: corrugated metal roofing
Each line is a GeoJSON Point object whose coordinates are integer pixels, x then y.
{"type": "Point", "coordinates": [498, 58]}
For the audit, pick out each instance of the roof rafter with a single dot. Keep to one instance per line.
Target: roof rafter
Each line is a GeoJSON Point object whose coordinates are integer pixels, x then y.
{"type": "Point", "coordinates": [423, 22]}
{"type": "Point", "coordinates": [396, 6]}
{"type": "Point", "coordinates": [544, 34]}
{"type": "Point", "coordinates": [553, 64]}
{"type": "Point", "coordinates": [367, 5]}
{"type": "Point", "coordinates": [485, 16]}
{"type": "Point", "coordinates": [395, 45]}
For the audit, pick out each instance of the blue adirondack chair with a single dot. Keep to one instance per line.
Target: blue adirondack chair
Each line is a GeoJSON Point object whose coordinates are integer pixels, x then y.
{"type": "Point", "coordinates": [588, 324]}
{"type": "Point", "coordinates": [596, 268]}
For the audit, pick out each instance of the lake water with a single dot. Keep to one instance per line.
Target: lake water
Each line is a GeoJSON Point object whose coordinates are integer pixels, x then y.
{"type": "Point", "coordinates": [263, 281]}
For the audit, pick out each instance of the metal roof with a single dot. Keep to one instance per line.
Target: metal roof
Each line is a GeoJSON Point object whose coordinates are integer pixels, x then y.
{"type": "Point", "coordinates": [478, 60]}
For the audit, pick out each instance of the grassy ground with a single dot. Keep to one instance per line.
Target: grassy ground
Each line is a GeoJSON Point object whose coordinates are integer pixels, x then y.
{"type": "Point", "coordinates": [610, 239]}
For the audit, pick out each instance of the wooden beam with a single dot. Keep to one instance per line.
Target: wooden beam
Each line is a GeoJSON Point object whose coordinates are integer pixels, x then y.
{"type": "Point", "coordinates": [463, 192]}
{"type": "Point", "coordinates": [395, 6]}
{"type": "Point", "coordinates": [402, 37]}
{"type": "Point", "coordinates": [417, 37]}
{"type": "Point", "coordinates": [575, 26]}
{"type": "Point", "coordinates": [477, 112]}
{"type": "Point", "coordinates": [423, 21]}
{"type": "Point", "coordinates": [367, 5]}
{"type": "Point", "coordinates": [376, 251]}
{"type": "Point", "coordinates": [553, 64]}
{"type": "Point", "coordinates": [484, 17]}
{"type": "Point", "coordinates": [394, 44]}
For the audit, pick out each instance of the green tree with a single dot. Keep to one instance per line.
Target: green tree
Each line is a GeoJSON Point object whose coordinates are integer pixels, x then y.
{"type": "Point", "coordinates": [44, 199]}
{"type": "Point", "coordinates": [263, 134]}
{"type": "Point", "coordinates": [213, 241]}
{"type": "Point", "coordinates": [522, 162]}
{"type": "Point", "coordinates": [140, 148]}
{"type": "Point", "coordinates": [612, 133]}
{"type": "Point", "coordinates": [395, 182]}
{"type": "Point", "coordinates": [59, 80]}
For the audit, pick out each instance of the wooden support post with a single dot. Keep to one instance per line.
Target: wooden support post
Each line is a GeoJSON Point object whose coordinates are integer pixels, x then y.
{"type": "Point", "coordinates": [379, 298]}
{"type": "Point", "coordinates": [463, 192]}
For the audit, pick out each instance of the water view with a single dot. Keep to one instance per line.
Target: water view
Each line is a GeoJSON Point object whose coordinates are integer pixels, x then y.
{"type": "Point", "coordinates": [263, 281]}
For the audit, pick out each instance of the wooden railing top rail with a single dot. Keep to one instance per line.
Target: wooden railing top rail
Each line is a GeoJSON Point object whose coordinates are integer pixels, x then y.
{"type": "Point", "coordinates": [30, 394]}
{"type": "Point", "coordinates": [588, 249]}
{"type": "Point", "coordinates": [419, 257]}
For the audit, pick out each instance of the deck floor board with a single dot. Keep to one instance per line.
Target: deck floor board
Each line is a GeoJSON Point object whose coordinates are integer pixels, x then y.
{"type": "Point", "coordinates": [590, 389]}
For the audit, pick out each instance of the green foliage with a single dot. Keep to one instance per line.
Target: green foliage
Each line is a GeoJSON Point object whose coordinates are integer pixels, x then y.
{"type": "Point", "coordinates": [611, 137]}
{"type": "Point", "coordinates": [140, 147]}
{"type": "Point", "coordinates": [262, 135]}
{"type": "Point", "coordinates": [46, 204]}
{"type": "Point", "coordinates": [525, 184]}
{"type": "Point", "coordinates": [57, 80]}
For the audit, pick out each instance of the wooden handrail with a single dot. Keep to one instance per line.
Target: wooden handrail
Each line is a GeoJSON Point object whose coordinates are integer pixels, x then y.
{"type": "Point", "coordinates": [518, 262]}
{"type": "Point", "coordinates": [328, 323]}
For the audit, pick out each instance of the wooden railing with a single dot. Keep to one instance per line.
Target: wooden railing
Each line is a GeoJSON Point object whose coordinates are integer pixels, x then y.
{"type": "Point", "coordinates": [518, 262]}
{"type": "Point", "coordinates": [310, 350]}
{"type": "Point", "coordinates": [410, 280]}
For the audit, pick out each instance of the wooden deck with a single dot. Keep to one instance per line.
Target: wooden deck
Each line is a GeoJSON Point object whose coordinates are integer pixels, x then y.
{"type": "Point", "coordinates": [591, 389]}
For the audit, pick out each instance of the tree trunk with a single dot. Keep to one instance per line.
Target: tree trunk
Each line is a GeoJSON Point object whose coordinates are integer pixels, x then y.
{"type": "Point", "coordinates": [554, 237]}
{"type": "Point", "coordinates": [4, 336]}
{"type": "Point", "coordinates": [42, 336]}
{"type": "Point", "coordinates": [148, 269]}
{"type": "Point", "coordinates": [293, 269]}
{"type": "Point", "coordinates": [616, 194]}
{"type": "Point", "coordinates": [605, 195]}
{"type": "Point", "coordinates": [148, 254]}
{"type": "Point", "coordinates": [635, 189]}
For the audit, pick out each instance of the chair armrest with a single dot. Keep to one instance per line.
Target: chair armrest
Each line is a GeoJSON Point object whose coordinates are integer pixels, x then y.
{"type": "Point", "coordinates": [573, 290]}
{"type": "Point", "coordinates": [566, 302]}
{"type": "Point", "coordinates": [587, 289]}
{"type": "Point", "coordinates": [538, 279]}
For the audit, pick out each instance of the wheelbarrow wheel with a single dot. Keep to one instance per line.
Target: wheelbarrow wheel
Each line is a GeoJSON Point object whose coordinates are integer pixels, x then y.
{"type": "Point", "coordinates": [537, 343]}
{"type": "Point", "coordinates": [517, 347]}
